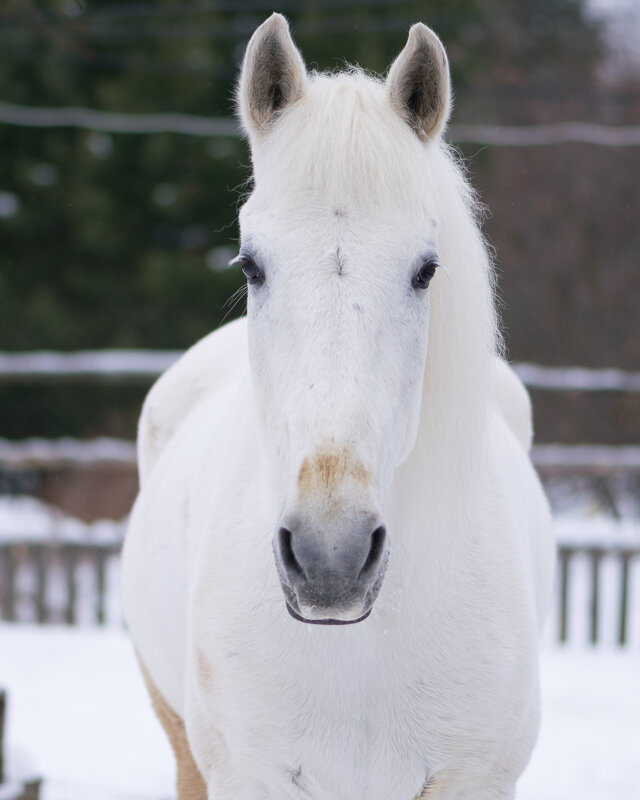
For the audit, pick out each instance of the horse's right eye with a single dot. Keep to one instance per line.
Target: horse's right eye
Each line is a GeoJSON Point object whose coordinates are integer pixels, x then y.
{"type": "Point", "coordinates": [423, 277]}
{"type": "Point", "coordinates": [251, 270]}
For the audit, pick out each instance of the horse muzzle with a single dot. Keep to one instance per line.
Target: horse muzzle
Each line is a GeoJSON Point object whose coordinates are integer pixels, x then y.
{"type": "Point", "coordinates": [331, 576]}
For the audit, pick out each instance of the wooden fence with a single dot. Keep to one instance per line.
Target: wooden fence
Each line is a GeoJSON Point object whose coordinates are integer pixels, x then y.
{"type": "Point", "coordinates": [57, 583]}
{"type": "Point", "coordinates": [69, 584]}
{"type": "Point", "coordinates": [623, 558]}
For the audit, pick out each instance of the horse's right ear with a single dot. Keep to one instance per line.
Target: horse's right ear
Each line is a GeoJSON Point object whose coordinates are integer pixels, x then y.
{"type": "Point", "coordinates": [273, 76]}
{"type": "Point", "coordinates": [418, 83]}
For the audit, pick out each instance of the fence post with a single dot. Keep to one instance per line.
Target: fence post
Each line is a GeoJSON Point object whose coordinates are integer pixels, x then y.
{"type": "Point", "coordinates": [101, 584]}
{"type": "Point", "coordinates": [565, 554]}
{"type": "Point", "coordinates": [624, 597]}
{"type": "Point", "coordinates": [70, 566]}
{"type": "Point", "coordinates": [11, 583]}
{"type": "Point", "coordinates": [3, 706]}
{"type": "Point", "coordinates": [41, 557]}
{"type": "Point", "coordinates": [31, 790]}
{"type": "Point", "coordinates": [596, 555]}
{"type": "Point", "coordinates": [4, 584]}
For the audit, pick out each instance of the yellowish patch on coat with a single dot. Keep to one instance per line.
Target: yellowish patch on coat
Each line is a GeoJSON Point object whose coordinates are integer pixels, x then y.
{"type": "Point", "coordinates": [432, 786]}
{"type": "Point", "coordinates": [190, 784]}
{"type": "Point", "coordinates": [204, 670]}
{"type": "Point", "coordinates": [328, 469]}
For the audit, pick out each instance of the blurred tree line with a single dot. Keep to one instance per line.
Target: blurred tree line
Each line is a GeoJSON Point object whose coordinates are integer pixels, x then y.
{"type": "Point", "coordinates": [121, 240]}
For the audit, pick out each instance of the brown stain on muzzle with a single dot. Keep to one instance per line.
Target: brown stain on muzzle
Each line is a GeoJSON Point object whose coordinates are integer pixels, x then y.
{"type": "Point", "coordinates": [329, 469]}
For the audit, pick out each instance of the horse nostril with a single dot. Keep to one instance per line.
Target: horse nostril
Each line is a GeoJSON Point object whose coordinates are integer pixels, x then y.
{"type": "Point", "coordinates": [287, 556]}
{"type": "Point", "coordinates": [376, 550]}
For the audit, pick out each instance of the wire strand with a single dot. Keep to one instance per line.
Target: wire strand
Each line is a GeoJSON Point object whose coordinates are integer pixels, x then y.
{"type": "Point", "coordinates": [500, 135]}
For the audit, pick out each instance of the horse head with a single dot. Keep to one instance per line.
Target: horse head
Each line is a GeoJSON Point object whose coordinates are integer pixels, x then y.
{"type": "Point", "coordinates": [339, 244]}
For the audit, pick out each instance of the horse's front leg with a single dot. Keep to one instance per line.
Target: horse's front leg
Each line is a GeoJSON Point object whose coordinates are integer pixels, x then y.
{"type": "Point", "coordinates": [189, 782]}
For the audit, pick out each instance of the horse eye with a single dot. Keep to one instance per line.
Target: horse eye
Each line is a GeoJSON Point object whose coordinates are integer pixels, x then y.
{"type": "Point", "coordinates": [423, 277]}
{"type": "Point", "coordinates": [251, 270]}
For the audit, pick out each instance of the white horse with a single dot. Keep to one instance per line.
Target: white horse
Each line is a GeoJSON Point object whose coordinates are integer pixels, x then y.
{"type": "Point", "coordinates": [319, 463]}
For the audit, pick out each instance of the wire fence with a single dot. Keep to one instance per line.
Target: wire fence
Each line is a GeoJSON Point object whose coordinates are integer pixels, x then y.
{"type": "Point", "coordinates": [145, 365]}
{"type": "Point", "coordinates": [104, 451]}
{"type": "Point", "coordinates": [192, 125]}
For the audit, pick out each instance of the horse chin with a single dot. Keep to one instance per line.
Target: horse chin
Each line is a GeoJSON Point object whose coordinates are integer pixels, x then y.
{"type": "Point", "coordinates": [327, 621]}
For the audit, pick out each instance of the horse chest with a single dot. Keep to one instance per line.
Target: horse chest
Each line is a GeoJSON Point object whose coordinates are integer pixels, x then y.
{"type": "Point", "coordinates": [339, 713]}
{"type": "Point", "coordinates": [331, 737]}
{"type": "Point", "coordinates": [333, 723]}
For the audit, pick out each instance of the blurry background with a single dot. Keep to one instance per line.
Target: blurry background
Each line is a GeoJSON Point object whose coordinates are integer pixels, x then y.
{"type": "Point", "coordinates": [113, 240]}
{"type": "Point", "coordinates": [121, 172]}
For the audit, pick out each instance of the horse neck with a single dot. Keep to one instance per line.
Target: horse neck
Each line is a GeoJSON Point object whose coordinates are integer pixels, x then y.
{"type": "Point", "coordinates": [433, 508]}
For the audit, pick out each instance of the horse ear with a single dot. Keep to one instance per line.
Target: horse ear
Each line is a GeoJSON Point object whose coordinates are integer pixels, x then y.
{"type": "Point", "coordinates": [273, 75]}
{"type": "Point", "coordinates": [418, 83]}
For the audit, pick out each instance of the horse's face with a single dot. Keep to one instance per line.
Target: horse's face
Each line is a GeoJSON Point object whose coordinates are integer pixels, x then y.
{"type": "Point", "coordinates": [338, 306]}
{"type": "Point", "coordinates": [338, 320]}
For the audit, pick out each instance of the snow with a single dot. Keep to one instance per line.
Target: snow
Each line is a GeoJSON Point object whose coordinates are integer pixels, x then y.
{"type": "Point", "coordinates": [26, 519]}
{"type": "Point", "coordinates": [589, 743]}
{"type": "Point", "coordinates": [79, 717]}
{"type": "Point", "coordinates": [586, 379]}
{"type": "Point", "coordinates": [39, 452]}
{"type": "Point", "coordinates": [113, 364]}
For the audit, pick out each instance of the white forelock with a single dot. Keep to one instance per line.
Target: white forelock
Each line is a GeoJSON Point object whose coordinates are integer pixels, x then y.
{"type": "Point", "coordinates": [344, 139]}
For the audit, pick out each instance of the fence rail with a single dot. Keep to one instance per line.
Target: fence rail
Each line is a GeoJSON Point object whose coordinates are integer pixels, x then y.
{"type": "Point", "coordinates": [39, 453]}
{"type": "Point", "coordinates": [142, 366]}
{"type": "Point", "coordinates": [501, 135]}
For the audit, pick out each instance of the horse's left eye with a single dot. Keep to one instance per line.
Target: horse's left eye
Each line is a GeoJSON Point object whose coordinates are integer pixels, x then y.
{"type": "Point", "coordinates": [251, 270]}
{"type": "Point", "coordinates": [423, 276]}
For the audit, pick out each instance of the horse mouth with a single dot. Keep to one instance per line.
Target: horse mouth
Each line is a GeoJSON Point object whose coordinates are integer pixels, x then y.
{"type": "Point", "coordinates": [327, 621]}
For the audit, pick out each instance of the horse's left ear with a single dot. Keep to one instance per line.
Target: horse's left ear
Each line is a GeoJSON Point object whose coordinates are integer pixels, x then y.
{"type": "Point", "coordinates": [418, 84]}
{"type": "Point", "coordinates": [273, 75]}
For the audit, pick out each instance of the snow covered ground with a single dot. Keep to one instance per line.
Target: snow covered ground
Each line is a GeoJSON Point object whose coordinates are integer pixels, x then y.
{"type": "Point", "coordinates": [27, 519]}
{"type": "Point", "coordinates": [80, 718]}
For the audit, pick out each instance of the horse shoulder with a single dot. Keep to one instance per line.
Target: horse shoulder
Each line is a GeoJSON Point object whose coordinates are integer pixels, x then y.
{"type": "Point", "coordinates": [208, 366]}
{"type": "Point", "coordinates": [168, 528]}
{"type": "Point", "coordinates": [514, 403]}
